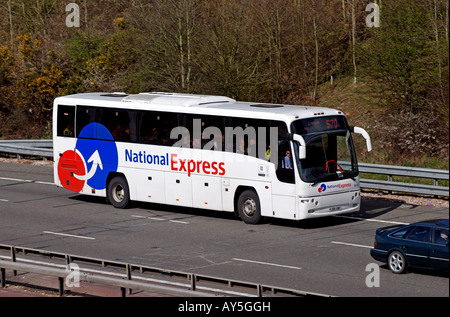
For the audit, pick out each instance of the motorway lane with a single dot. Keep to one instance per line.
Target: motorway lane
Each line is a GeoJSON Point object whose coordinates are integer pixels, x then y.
{"type": "Point", "coordinates": [327, 255]}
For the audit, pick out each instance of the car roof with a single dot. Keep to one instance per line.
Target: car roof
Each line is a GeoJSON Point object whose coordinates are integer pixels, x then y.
{"type": "Point", "coordinates": [429, 223]}
{"type": "Point", "coordinates": [433, 222]}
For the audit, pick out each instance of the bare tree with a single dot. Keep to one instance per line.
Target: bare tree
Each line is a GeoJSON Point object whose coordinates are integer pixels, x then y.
{"type": "Point", "coordinates": [11, 29]}
{"type": "Point", "coordinates": [354, 41]}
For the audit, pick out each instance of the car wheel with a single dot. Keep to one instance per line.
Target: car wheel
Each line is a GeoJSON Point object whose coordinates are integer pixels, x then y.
{"type": "Point", "coordinates": [397, 262]}
{"type": "Point", "coordinates": [118, 192]}
{"type": "Point", "coordinates": [249, 207]}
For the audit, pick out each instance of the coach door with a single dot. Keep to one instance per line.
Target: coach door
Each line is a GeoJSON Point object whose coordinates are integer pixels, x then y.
{"type": "Point", "coordinates": [283, 188]}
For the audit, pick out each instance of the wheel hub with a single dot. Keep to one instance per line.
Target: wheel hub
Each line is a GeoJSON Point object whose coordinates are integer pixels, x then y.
{"type": "Point", "coordinates": [396, 262]}
{"type": "Point", "coordinates": [249, 207]}
{"type": "Point", "coordinates": [118, 193]}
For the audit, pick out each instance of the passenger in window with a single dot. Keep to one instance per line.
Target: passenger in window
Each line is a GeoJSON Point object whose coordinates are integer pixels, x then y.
{"type": "Point", "coordinates": [196, 143]}
{"type": "Point", "coordinates": [68, 131]}
{"type": "Point", "coordinates": [121, 133]}
{"type": "Point", "coordinates": [267, 156]}
{"type": "Point", "coordinates": [443, 237]}
{"type": "Point", "coordinates": [241, 147]}
{"type": "Point", "coordinates": [154, 138]}
{"type": "Point", "coordinates": [164, 128]}
{"type": "Point", "coordinates": [251, 151]}
{"type": "Point", "coordinates": [287, 161]}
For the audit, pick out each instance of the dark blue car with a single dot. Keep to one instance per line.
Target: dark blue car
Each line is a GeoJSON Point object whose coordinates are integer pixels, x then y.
{"type": "Point", "coordinates": [422, 244]}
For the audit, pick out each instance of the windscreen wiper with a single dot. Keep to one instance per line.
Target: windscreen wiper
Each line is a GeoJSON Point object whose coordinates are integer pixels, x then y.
{"type": "Point", "coordinates": [319, 180]}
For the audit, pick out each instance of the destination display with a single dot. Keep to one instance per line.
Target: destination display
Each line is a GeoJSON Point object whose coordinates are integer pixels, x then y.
{"type": "Point", "coordinates": [319, 124]}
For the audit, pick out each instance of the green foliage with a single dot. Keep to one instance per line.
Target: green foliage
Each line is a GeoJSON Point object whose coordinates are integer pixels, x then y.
{"type": "Point", "coordinates": [400, 52]}
{"type": "Point", "coordinates": [7, 63]}
{"type": "Point", "coordinates": [83, 46]}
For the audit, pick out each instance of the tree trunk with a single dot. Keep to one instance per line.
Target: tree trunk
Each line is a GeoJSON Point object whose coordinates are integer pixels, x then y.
{"type": "Point", "coordinates": [354, 41]}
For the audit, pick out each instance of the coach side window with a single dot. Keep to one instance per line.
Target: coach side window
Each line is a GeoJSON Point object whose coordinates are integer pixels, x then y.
{"type": "Point", "coordinates": [65, 121]}
{"type": "Point", "coordinates": [202, 132]}
{"type": "Point", "coordinates": [213, 133]}
{"type": "Point", "coordinates": [85, 116]}
{"type": "Point", "coordinates": [155, 127]}
{"type": "Point", "coordinates": [285, 164]}
{"type": "Point", "coordinates": [285, 171]}
{"type": "Point", "coordinates": [241, 136]}
{"type": "Point", "coordinates": [120, 123]}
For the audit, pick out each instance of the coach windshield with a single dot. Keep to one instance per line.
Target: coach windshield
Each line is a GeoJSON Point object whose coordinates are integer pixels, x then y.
{"type": "Point", "coordinates": [328, 145]}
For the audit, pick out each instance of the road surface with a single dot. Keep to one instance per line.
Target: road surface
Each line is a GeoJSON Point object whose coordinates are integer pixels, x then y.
{"type": "Point", "coordinates": [328, 255]}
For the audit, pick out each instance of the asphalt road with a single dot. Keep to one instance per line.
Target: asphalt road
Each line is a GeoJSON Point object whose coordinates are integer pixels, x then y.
{"type": "Point", "coordinates": [328, 255]}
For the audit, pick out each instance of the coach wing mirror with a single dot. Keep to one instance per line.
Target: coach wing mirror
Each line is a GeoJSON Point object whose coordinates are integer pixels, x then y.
{"type": "Point", "coordinates": [301, 146]}
{"type": "Point", "coordinates": [365, 135]}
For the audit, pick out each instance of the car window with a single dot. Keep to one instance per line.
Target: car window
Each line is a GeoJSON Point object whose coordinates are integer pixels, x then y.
{"type": "Point", "coordinates": [440, 236]}
{"type": "Point", "coordinates": [420, 234]}
{"type": "Point", "coordinates": [400, 233]}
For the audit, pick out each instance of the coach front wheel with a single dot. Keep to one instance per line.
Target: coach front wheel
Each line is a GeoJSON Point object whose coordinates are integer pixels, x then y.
{"type": "Point", "coordinates": [249, 207]}
{"type": "Point", "coordinates": [118, 192]}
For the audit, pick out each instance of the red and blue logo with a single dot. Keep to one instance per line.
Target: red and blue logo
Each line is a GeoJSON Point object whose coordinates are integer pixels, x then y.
{"type": "Point", "coordinates": [94, 157]}
{"type": "Point", "coordinates": [322, 188]}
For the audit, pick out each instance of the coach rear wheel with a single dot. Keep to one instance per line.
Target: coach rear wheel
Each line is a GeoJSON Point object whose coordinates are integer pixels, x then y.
{"type": "Point", "coordinates": [249, 207]}
{"type": "Point", "coordinates": [118, 192]}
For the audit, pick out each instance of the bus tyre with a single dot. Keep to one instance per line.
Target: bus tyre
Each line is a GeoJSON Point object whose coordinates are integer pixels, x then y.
{"type": "Point", "coordinates": [118, 192]}
{"type": "Point", "coordinates": [249, 208]}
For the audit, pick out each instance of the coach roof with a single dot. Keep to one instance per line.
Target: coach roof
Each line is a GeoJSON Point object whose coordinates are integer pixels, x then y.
{"type": "Point", "coordinates": [209, 104]}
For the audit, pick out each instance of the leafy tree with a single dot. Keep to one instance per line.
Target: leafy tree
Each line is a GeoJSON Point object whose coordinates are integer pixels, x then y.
{"type": "Point", "coordinates": [400, 53]}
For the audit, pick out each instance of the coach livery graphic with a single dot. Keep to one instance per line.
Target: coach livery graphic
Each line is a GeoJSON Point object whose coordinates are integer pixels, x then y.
{"type": "Point", "coordinates": [211, 152]}
{"type": "Point", "coordinates": [96, 156]}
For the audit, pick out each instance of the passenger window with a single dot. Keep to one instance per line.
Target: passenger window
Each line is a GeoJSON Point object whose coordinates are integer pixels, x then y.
{"type": "Point", "coordinates": [155, 127]}
{"type": "Point", "coordinates": [65, 121]}
{"type": "Point", "coordinates": [121, 124]}
{"type": "Point", "coordinates": [85, 116]}
{"type": "Point", "coordinates": [440, 236]}
{"type": "Point", "coordinates": [420, 234]}
{"type": "Point", "coordinates": [285, 171]}
{"type": "Point", "coordinates": [213, 131]}
{"type": "Point", "coordinates": [241, 136]}
{"type": "Point", "coordinates": [400, 233]}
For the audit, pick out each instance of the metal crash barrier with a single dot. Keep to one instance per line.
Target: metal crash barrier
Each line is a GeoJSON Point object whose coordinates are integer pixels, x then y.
{"type": "Point", "coordinates": [43, 148]}
{"type": "Point", "coordinates": [194, 285]}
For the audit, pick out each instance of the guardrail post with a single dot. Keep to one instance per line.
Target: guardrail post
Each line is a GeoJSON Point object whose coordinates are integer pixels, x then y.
{"type": "Point", "coordinates": [13, 258]}
{"type": "Point", "coordinates": [67, 257]}
{"type": "Point", "coordinates": [390, 180]}
{"type": "Point", "coordinates": [3, 277]}
{"type": "Point", "coordinates": [128, 266]}
{"type": "Point", "coordinates": [193, 281]}
{"type": "Point", "coordinates": [61, 286]}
